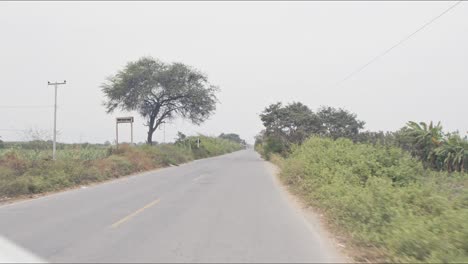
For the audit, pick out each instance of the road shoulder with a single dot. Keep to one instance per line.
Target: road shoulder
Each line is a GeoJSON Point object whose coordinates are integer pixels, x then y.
{"type": "Point", "coordinates": [312, 219]}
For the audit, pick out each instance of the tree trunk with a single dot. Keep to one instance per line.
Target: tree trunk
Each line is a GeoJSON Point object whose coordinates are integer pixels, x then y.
{"type": "Point", "coordinates": [149, 140]}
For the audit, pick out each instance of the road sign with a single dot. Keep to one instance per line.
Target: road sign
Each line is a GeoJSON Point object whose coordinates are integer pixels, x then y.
{"type": "Point", "coordinates": [125, 119]}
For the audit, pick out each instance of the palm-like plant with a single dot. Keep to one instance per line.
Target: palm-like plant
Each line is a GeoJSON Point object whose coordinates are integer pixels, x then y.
{"type": "Point", "coordinates": [426, 139]}
{"type": "Point", "coordinates": [453, 152]}
{"type": "Point", "coordinates": [446, 152]}
{"type": "Point", "coordinates": [459, 146]}
{"type": "Point", "coordinates": [426, 133]}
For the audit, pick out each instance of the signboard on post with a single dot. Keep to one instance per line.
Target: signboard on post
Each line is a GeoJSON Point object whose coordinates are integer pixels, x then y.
{"type": "Point", "coordinates": [120, 120]}
{"type": "Point", "coordinates": [125, 119]}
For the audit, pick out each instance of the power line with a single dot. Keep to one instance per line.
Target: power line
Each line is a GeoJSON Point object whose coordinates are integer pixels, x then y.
{"type": "Point", "coordinates": [358, 70]}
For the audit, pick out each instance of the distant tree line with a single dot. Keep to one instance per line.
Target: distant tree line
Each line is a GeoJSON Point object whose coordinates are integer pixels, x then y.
{"type": "Point", "coordinates": [182, 138]}
{"type": "Point", "coordinates": [233, 137]}
{"type": "Point", "coordinates": [291, 124]}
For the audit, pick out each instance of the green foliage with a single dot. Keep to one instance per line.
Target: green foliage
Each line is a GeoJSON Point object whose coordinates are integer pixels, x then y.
{"type": "Point", "coordinates": [274, 145]}
{"type": "Point", "coordinates": [161, 92]}
{"type": "Point", "coordinates": [378, 190]}
{"type": "Point", "coordinates": [453, 152]}
{"type": "Point", "coordinates": [384, 199]}
{"type": "Point", "coordinates": [377, 138]}
{"type": "Point", "coordinates": [27, 171]}
{"type": "Point", "coordinates": [424, 139]}
{"type": "Point", "coordinates": [339, 123]}
{"type": "Point", "coordinates": [286, 126]}
{"type": "Point", "coordinates": [436, 149]}
{"type": "Point", "coordinates": [233, 137]}
{"type": "Point", "coordinates": [181, 137]}
{"type": "Point", "coordinates": [212, 146]}
{"type": "Point", "coordinates": [290, 124]}
{"type": "Point", "coordinates": [66, 152]}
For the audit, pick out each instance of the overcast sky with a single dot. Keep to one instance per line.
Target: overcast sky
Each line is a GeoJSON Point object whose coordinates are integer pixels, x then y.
{"type": "Point", "coordinates": [258, 53]}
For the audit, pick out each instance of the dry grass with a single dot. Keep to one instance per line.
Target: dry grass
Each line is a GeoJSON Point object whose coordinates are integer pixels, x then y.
{"type": "Point", "coordinates": [30, 172]}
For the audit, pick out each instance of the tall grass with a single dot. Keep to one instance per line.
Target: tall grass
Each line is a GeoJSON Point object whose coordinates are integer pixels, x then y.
{"type": "Point", "coordinates": [383, 199]}
{"type": "Point", "coordinates": [29, 171]}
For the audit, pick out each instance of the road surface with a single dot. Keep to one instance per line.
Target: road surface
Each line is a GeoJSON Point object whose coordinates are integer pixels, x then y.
{"type": "Point", "coordinates": [221, 209]}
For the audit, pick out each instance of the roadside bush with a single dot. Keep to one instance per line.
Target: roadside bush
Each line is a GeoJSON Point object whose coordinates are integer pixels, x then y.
{"type": "Point", "coordinates": [13, 161]}
{"type": "Point", "coordinates": [211, 146]}
{"type": "Point", "coordinates": [383, 198]}
{"type": "Point", "coordinates": [271, 145]}
{"type": "Point", "coordinates": [26, 171]}
{"type": "Point", "coordinates": [168, 154]}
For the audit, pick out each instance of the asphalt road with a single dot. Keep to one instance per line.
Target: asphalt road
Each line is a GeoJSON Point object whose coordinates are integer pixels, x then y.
{"type": "Point", "coordinates": [221, 209]}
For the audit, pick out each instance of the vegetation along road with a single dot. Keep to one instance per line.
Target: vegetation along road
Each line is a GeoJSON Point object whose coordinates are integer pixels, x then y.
{"type": "Point", "coordinates": [221, 209]}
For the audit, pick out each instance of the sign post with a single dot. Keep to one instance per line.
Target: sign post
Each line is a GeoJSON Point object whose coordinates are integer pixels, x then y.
{"type": "Point", "coordinates": [119, 120]}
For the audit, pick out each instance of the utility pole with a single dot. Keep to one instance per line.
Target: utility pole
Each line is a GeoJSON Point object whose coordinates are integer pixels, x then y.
{"type": "Point", "coordinates": [55, 84]}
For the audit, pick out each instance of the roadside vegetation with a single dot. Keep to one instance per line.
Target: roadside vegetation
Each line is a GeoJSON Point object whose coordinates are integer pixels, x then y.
{"type": "Point", "coordinates": [397, 196]}
{"type": "Point", "coordinates": [159, 92]}
{"type": "Point", "coordinates": [27, 168]}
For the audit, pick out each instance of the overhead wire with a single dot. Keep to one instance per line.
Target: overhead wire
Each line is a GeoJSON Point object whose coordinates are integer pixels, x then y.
{"type": "Point", "coordinates": [403, 40]}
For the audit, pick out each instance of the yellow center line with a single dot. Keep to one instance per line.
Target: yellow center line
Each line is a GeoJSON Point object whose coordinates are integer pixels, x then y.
{"type": "Point", "coordinates": [130, 216]}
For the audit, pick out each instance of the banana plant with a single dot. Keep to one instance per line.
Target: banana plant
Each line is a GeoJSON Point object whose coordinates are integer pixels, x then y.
{"type": "Point", "coordinates": [427, 139]}
{"type": "Point", "coordinates": [459, 146]}
{"type": "Point", "coordinates": [453, 152]}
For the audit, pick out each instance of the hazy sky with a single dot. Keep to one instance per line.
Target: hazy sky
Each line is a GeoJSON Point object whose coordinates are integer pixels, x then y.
{"type": "Point", "coordinates": [257, 52]}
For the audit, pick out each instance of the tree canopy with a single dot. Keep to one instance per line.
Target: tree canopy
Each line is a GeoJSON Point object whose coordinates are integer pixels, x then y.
{"type": "Point", "coordinates": [232, 137]}
{"type": "Point", "coordinates": [160, 92]}
{"type": "Point", "coordinates": [293, 122]}
{"type": "Point", "coordinates": [339, 123]}
{"type": "Point", "coordinates": [290, 124]}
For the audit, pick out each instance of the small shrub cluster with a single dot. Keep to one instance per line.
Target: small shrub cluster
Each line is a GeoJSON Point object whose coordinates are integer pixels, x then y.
{"type": "Point", "coordinates": [28, 171]}
{"type": "Point", "coordinates": [383, 198]}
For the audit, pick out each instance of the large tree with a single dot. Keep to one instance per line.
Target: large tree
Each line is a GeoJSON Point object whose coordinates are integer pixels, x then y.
{"type": "Point", "coordinates": [292, 123]}
{"type": "Point", "coordinates": [339, 123]}
{"type": "Point", "coordinates": [160, 92]}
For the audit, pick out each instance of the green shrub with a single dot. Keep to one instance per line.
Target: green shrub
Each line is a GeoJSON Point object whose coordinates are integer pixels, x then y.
{"type": "Point", "coordinates": [168, 154]}
{"type": "Point", "coordinates": [382, 197]}
{"type": "Point", "coordinates": [17, 186]}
